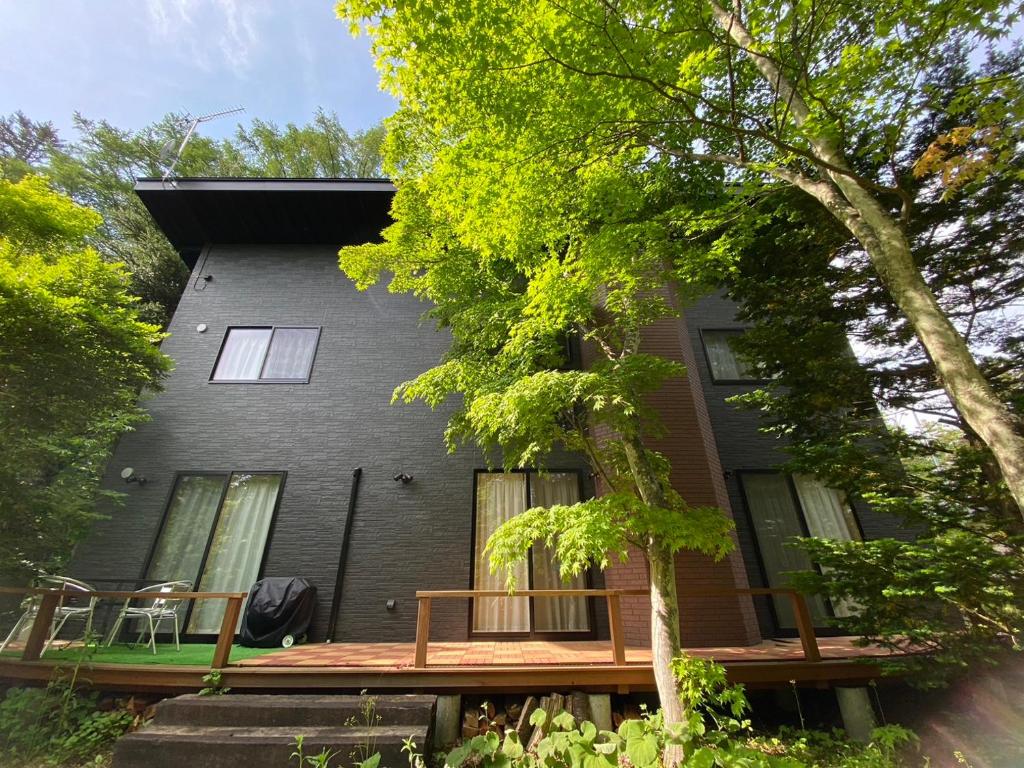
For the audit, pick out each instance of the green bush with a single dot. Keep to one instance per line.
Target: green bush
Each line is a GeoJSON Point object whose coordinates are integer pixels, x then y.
{"type": "Point", "coordinates": [56, 726]}
{"type": "Point", "coordinates": [715, 734]}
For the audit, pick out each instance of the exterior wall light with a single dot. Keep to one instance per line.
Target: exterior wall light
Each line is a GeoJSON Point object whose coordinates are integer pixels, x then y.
{"type": "Point", "coordinates": [129, 476]}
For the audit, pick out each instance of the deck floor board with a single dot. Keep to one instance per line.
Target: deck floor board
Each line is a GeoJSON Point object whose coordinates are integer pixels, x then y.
{"type": "Point", "coordinates": [535, 653]}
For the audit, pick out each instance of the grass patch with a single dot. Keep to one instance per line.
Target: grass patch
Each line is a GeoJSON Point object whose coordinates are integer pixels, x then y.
{"type": "Point", "coordinates": [191, 654]}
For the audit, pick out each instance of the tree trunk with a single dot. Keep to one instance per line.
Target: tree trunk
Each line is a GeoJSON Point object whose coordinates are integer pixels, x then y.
{"type": "Point", "coordinates": [665, 643]}
{"type": "Point", "coordinates": [968, 390]}
{"type": "Point", "coordinates": [889, 251]}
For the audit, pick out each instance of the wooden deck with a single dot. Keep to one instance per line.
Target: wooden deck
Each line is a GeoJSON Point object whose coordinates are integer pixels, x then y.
{"type": "Point", "coordinates": [537, 653]}
{"type": "Point", "coordinates": [439, 666]}
{"type": "Point", "coordinates": [471, 666]}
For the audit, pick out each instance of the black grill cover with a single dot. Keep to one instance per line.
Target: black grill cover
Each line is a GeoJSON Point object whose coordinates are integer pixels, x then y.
{"type": "Point", "coordinates": [277, 606]}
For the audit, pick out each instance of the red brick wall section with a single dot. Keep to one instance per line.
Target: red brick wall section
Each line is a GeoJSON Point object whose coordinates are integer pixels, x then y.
{"type": "Point", "coordinates": [636, 611]}
{"type": "Point", "coordinates": [689, 444]}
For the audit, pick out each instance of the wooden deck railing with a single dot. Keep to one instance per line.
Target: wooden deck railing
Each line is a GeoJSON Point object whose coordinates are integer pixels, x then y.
{"type": "Point", "coordinates": [50, 598]}
{"type": "Point", "coordinates": [802, 614]}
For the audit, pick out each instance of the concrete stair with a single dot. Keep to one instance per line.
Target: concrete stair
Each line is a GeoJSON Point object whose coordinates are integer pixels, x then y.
{"type": "Point", "coordinates": [258, 731]}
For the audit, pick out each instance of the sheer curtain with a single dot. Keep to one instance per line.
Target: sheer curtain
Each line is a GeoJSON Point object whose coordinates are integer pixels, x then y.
{"type": "Point", "coordinates": [725, 364]}
{"type": "Point", "coordinates": [238, 543]}
{"type": "Point", "coordinates": [776, 520]}
{"type": "Point", "coordinates": [559, 614]}
{"type": "Point", "coordinates": [179, 550]}
{"type": "Point", "coordinates": [499, 497]}
{"type": "Point", "coordinates": [828, 516]}
{"type": "Point", "coordinates": [828, 513]}
{"type": "Point", "coordinates": [291, 353]}
{"type": "Point", "coordinates": [241, 359]}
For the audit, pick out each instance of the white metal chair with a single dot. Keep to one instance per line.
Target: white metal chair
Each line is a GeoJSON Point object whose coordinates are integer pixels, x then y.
{"type": "Point", "coordinates": [68, 607]}
{"type": "Point", "coordinates": [157, 605]}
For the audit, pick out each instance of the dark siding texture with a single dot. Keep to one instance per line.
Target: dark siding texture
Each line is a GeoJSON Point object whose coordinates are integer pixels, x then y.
{"type": "Point", "coordinates": [742, 447]}
{"type": "Point", "coordinates": [404, 537]}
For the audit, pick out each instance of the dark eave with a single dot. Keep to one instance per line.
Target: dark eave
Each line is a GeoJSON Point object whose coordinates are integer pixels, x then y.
{"type": "Point", "coordinates": [194, 212]}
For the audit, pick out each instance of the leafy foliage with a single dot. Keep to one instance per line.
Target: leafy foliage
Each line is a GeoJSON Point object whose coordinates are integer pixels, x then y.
{"type": "Point", "coordinates": [714, 734]}
{"type": "Point", "coordinates": [49, 726]}
{"type": "Point", "coordinates": [100, 167]}
{"type": "Point", "coordinates": [510, 294]}
{"type": "Point", "coordinates": [75, 356]}
{"type": "Point", "coordinates": [805, 288]}
{"type": "Point", "coordinates": [501, 102]}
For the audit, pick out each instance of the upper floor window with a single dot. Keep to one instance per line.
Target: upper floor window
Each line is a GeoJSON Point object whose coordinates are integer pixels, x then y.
{"type": "Point", "coordinates": [725, 364]}
{"type": "Point", "coordinates": [267, 354]}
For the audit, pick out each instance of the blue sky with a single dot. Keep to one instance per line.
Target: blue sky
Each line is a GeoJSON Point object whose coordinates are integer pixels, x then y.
{"type": "Point", "coordinates": [132, 61]}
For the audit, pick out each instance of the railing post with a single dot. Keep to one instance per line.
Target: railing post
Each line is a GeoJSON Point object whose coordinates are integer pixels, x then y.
{"type": "Point", "coordinates": [805, 627]}
{"type": "Point", "coordinates": [227, 633]}
{"type": "Point", "coordinates": [40, 627]}
{"type": "Point", "coordinates": [615, 629]}
{"type": "Point", "coordinates": [422, 632]}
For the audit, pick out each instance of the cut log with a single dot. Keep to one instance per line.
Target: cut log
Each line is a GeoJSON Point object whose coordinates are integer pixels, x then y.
{"type": "Point", "coordinates": [552, 705]}
{"type": "Point", "coordinates": [470, 725]}
{"type": "Point", "coordinates": [523, 723]}
{"type": "Point", "coordinates": [579, 706]}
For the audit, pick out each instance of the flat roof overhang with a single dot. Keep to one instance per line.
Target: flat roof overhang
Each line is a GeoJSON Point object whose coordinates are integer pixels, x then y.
{"type": "Point", "coordinates": [195, 212]}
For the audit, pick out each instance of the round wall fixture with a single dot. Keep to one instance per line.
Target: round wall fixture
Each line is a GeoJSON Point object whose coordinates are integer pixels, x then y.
{"type": "Point", "coordinates": [202, 327]}
{"type": "Point", "coordinates": [129, 476]}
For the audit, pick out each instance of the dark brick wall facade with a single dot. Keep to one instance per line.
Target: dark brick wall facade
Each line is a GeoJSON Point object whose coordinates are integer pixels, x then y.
{"type": "Point", "coordinates": [404, 537]}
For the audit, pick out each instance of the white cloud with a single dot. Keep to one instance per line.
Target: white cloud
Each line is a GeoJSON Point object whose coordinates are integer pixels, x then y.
{"type": "Point", "coordinates": [209, 32]}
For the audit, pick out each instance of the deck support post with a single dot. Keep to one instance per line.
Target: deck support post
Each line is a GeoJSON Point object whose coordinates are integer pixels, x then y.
{"type": "Point", "coordinates": [805, 627]}
{"type": "Point", "coordinates": [616, 630]}
{"type": "Point", "coordinates": [601, 710]}
{"type": "Point", "coordinates": [222, 652]}
{"type": "Point", "coordinates": [858, 714]}
{"type": "Point", "coordinates": [422, 632]}
{"type": "Point", "coordinates": [447, 721]}
{"type": "Point", "coordinates": [40, 632]}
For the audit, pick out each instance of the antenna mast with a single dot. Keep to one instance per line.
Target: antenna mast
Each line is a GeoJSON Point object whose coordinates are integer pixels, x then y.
{"type": "Point", "coordinates": [188, 135]}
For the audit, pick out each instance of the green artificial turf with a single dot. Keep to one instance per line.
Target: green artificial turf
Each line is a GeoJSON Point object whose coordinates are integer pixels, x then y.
{"type": "Point", "coordinates": [194, 654]}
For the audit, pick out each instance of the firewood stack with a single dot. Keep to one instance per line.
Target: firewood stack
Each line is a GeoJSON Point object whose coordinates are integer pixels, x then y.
{"type": "Point", "coordinates": [502, 714]}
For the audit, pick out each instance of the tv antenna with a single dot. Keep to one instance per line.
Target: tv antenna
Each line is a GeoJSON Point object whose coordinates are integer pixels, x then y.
{"type": "Point", "coordinates": [169, 156]}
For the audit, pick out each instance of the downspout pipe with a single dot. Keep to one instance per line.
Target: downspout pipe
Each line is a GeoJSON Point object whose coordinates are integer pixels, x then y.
{"type": "Point", "coordinates": [332, 623]}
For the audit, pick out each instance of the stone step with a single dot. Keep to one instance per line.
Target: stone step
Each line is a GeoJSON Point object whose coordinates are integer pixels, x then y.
{"type": "Point", "coordinates": [196, 746]}
{"type": "Point", "coordinates": [291, 710]}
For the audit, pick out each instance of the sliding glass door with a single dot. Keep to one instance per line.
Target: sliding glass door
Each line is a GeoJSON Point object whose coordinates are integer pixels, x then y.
{"type": "Point", "coordinates": [214, 534]}
{"type": "Point", "coordinates": [782, 508]}
{"type": "Point", "coordinates": [500, 496]}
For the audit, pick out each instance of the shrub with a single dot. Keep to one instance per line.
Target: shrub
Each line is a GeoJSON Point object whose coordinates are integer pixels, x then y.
{"type": "Point", "coordinates": [715, 734]}
{"type": "Point", "coordinates": [57, 726]}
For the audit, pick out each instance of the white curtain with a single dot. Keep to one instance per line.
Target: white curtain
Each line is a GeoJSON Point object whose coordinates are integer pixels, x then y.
{"type": "Point", "coordinates": [559, 614]}
{"type": "Point", "coordinates": [179, 551]}
{"type": "Point", "coordinates": [829, 516]}
{"type": "Point", "coordinates": [241, 359]}
{"type": "Point", "coordinates": [777, 520]}
{"type": "Point", "coordinates": [291, 353]}
{"type": "Point", "coordinates": [499, 497]}
{"type": "Point", "coordinates": [827, 512]}
{"type": "Point", "coordinates": [238, 543]}
{"type": "Point", "coordinates": [724, 363]}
